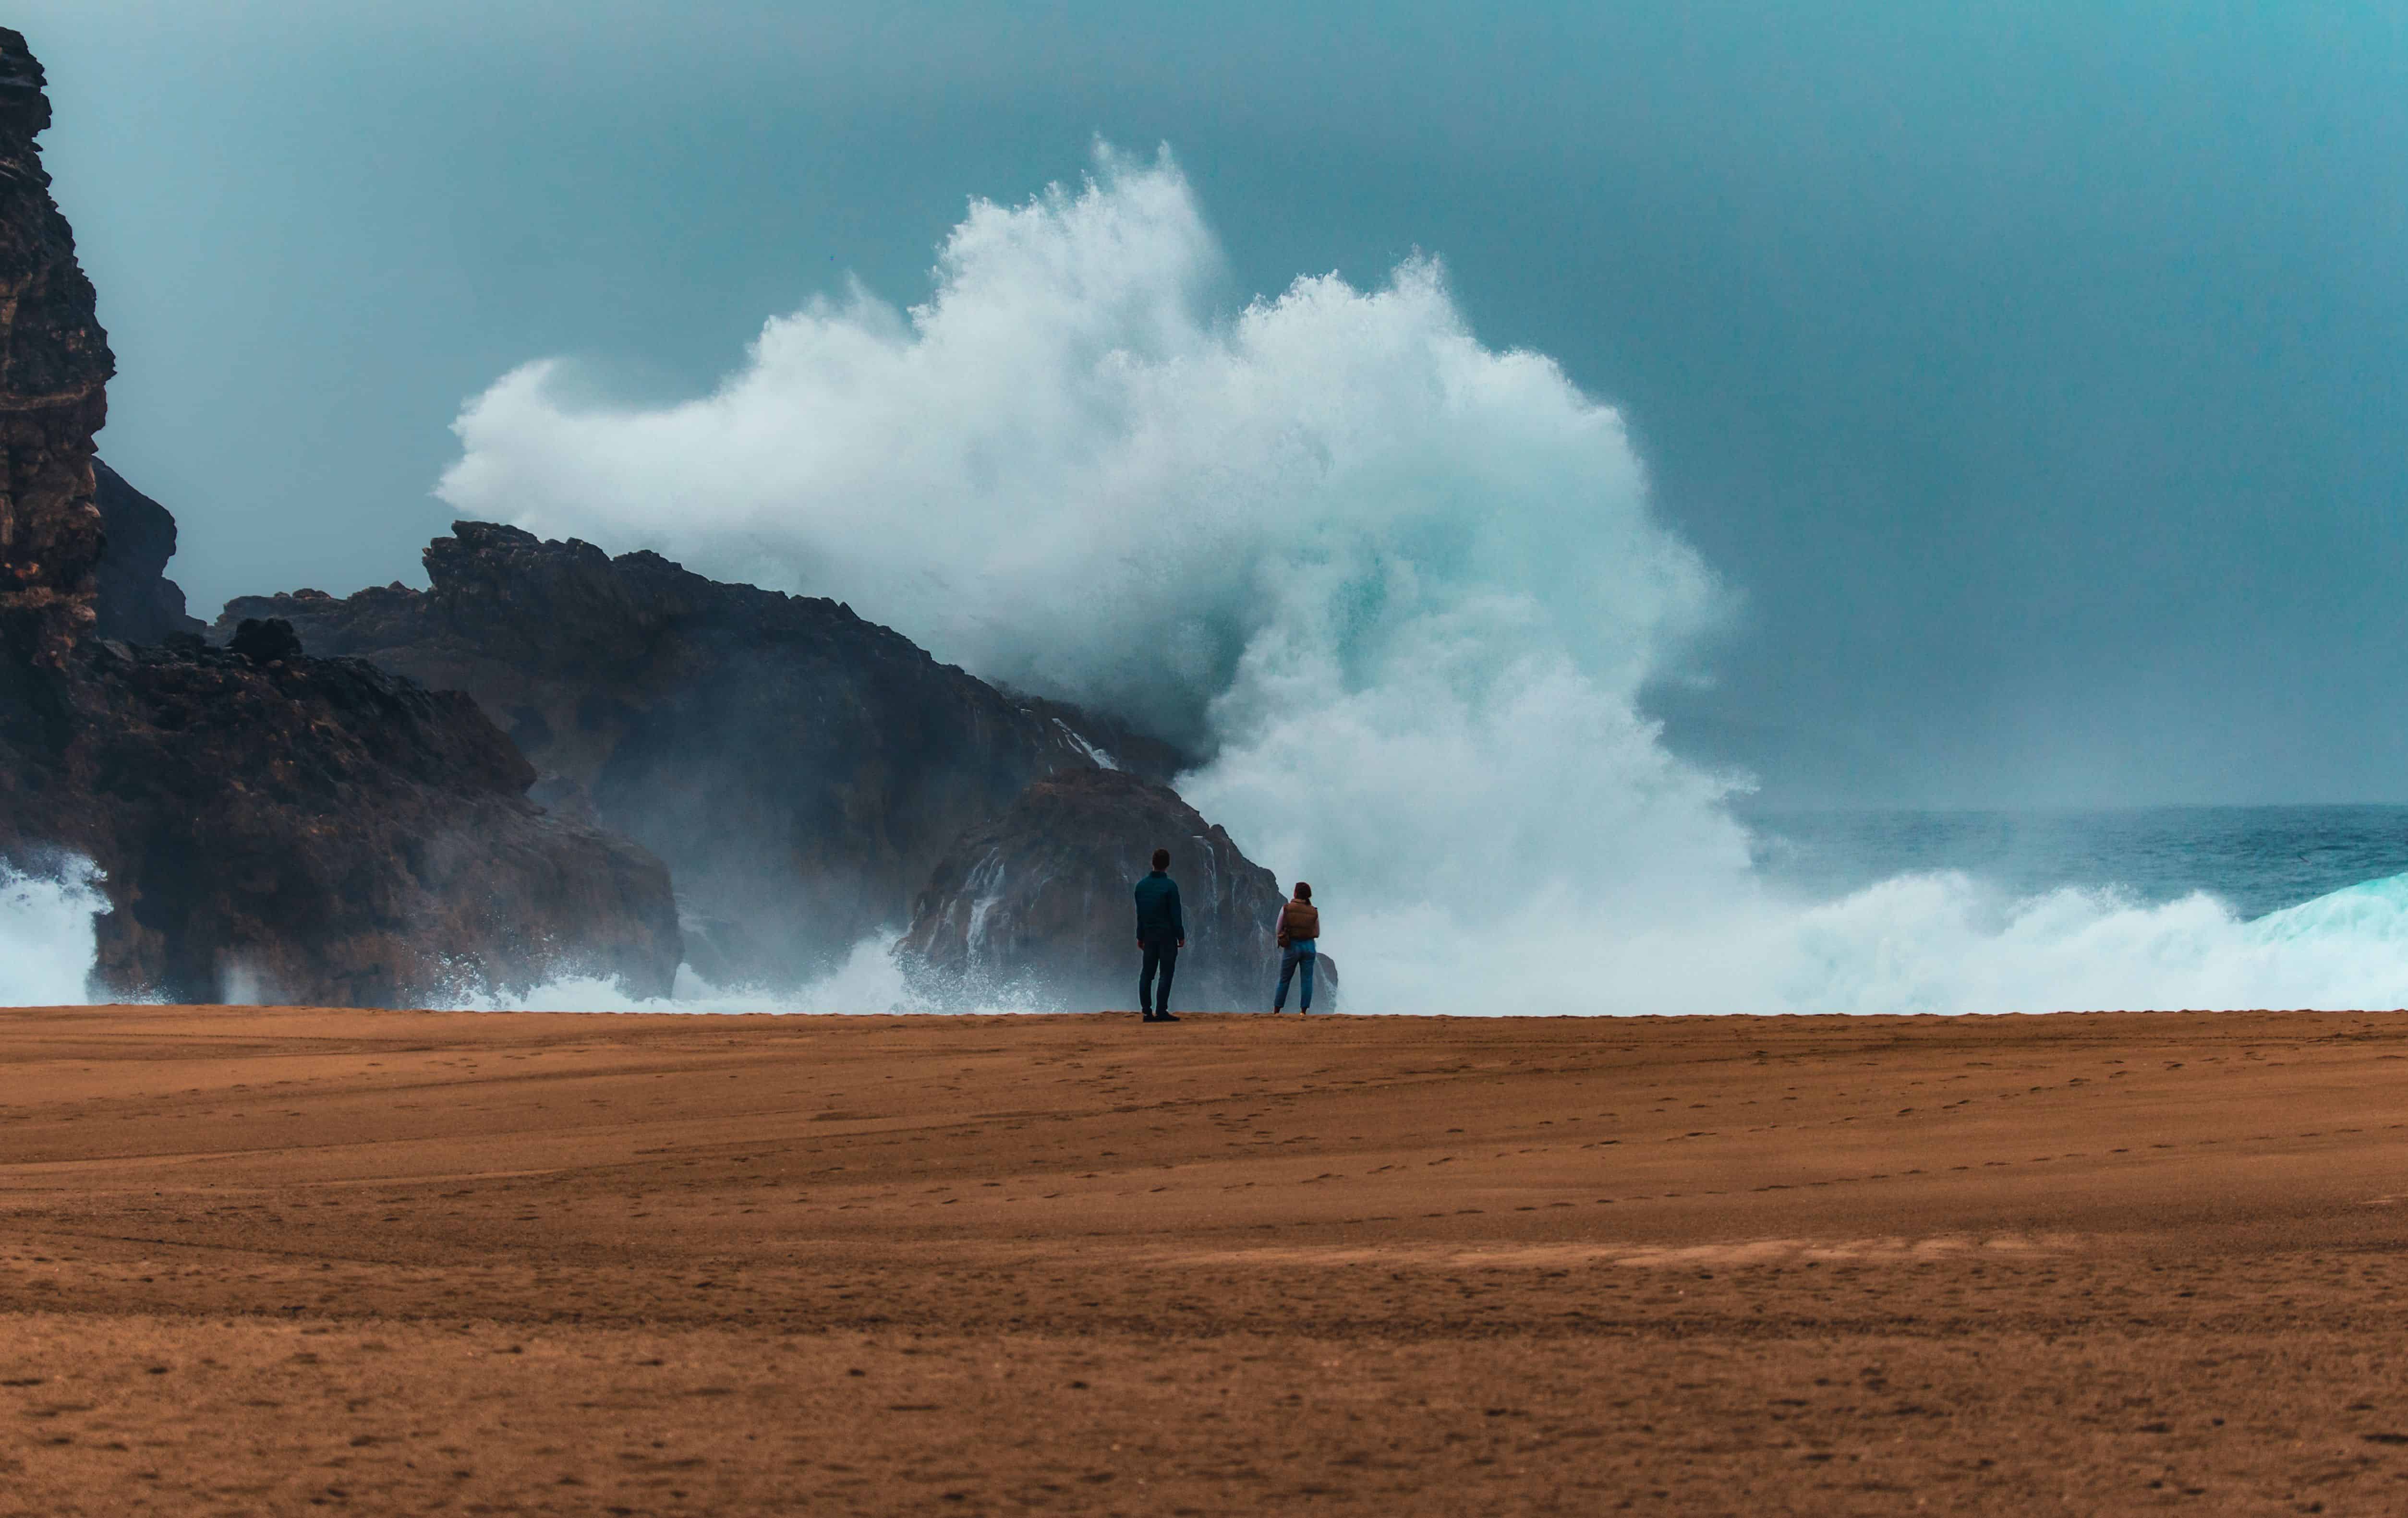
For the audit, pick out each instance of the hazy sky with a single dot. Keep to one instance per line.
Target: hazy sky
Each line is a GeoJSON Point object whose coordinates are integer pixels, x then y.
{"type": "Point", "coordinates": [2038, 374]}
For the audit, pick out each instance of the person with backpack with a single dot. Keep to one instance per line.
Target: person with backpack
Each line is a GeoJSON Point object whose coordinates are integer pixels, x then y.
{"type": "Point", "coordinates": [1161, 933]}
{"type": "Point", "coordinates": [1300, 928]}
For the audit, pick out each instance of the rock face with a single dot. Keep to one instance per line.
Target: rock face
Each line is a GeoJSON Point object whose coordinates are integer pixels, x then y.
{"type": "Point", "coordinates": [311, 829]}
{"type": "Point", "coordinates": [316, 830]}
{"type": "Point", "coordinates": [800, 770]}
{"type": "Point", "coordinates": [133, 599]}
{"type": "Point", "coordinates": [54, 363]}
{"type": "Point", "coordinates": [1112, 743]}
{"type": "Point", "coordinates": [1035, 904]}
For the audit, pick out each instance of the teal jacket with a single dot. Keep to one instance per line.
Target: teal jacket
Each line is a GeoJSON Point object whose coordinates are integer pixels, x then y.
{"type": "Point", "coordinates": [1158, 917]}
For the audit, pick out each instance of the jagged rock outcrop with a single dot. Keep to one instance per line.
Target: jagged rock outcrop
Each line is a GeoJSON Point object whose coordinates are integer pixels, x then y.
{"type": "Point", "coordinates": [134, 600]}
{"type": "Point", "coordinates": [1034, 904]}
{"type": "Point", "coordinates": [800, 770]}
{"type": "Point", "coordinates": [54, 366]}
{"type": "Point", "coordinates": [309, 829]}
{"type": "Point", "coordinates": [317, 830]}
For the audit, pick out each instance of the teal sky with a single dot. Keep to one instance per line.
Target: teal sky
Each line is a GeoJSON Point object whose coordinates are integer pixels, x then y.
{"type": "Point", "coordinates": [2038, 374]}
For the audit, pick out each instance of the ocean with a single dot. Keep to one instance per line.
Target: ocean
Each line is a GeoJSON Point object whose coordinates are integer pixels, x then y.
{"type": "Point", "coordinates": [2255, 860]}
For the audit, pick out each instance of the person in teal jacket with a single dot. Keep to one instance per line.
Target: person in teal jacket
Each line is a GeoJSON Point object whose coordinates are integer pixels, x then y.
{"type": "Point", "coordinates": [1161, 933]}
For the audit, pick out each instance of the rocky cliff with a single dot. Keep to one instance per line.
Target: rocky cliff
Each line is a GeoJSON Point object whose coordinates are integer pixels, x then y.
{"type": "Point", "coordinates": [304, 828]}
{"type": "Point", "coordinates": [133, 599]}
{"type": "Point", "coordinates": [1034, 904]}
{"type": "Point", "coordinates": [54, 366]}
{"type": "Point", "coordinates": [799, 768]}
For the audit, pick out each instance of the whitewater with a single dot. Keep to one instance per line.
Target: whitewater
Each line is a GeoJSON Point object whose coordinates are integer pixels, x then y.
{"type": "Point", "coordinates": [1407, 592]}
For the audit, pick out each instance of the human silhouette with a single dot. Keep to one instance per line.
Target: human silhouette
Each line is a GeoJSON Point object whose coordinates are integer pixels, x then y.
{"type": "Point", "coordinates": [1299, 931]}
{"type": "Point", "coordinates": [1161, 933]}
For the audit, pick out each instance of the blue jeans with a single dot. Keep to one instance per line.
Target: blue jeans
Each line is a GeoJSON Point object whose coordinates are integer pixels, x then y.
{"type": "Point", "coordinates": [1298, 952]}
{"type": "Point", "coordinates": [1162, 955]}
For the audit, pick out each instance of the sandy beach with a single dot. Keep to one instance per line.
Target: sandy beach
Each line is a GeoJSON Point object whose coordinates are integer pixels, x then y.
{"type": "Point", "coordinates": [291, 1260]}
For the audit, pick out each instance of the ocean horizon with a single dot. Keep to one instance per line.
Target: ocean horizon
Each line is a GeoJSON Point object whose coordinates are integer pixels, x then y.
{"type": "Point", "coordinates": [2255, 859]}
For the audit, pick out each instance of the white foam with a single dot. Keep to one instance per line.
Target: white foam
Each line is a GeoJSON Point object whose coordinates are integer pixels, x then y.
{"type": "Point", "coordinates": [1946, 943]}
{"type": "Point", "coordinates": [870, 981]}
{"type": "Point", "coordinates": [46, 935]}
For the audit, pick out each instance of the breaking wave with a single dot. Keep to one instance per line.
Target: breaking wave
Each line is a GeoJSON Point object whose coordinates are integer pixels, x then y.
{"type": "Point", "coordinates": [1406, 590]}
{"type": "Point", "coordinates": [1947, 943]}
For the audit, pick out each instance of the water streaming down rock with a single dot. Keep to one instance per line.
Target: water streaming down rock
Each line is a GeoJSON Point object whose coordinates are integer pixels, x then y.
{"type": "Point", "coordinates": [1034, 905]}
{"type": "Point", "coordinates": [310, 829]}
{"type": "Point", "coordinates": [1112, 742]}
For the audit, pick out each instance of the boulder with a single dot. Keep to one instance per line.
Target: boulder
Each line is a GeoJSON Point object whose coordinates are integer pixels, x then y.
{"type": "Point", "coordinates": [264, 641]}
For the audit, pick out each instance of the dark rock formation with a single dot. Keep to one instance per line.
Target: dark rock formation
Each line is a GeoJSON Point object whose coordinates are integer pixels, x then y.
{"type": "Point", "coordinates": [800, 770]}
{"type": "Point", "coordinates": [264, 641]}
{"type": "Point", "coordinates": [304, 828]}
{"type": "Point", "coordinates": [54, 362]}
{"type": "Point", "coordinates": [1036, 905]}
{"type": "Point", "coordinates": [134, 600]}
{"type": "Point", "coordinates": [316, 830]}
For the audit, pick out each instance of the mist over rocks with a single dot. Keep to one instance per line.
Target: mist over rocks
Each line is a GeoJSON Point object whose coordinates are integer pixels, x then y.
{"type": "Point", "coordinates": [319, 831]}
{"type": "Point", "coordinates": [801, 770]}
{"type": "Point", "coordinates": [1034, 904]}
{"type": "Point", "coordinates": [307, 829]}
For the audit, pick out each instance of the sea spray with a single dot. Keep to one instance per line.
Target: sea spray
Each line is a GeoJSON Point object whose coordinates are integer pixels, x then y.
{"type": "Point", "coordinates": [868, 982]}
{"type": "Point", "coordinates": [1406, 590]}
{"type": "Point", "coordinates": [46, 933]}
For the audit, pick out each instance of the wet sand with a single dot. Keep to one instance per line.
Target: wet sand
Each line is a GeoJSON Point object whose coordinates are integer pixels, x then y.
{"type": "Point", "coordinates": [287, 1260]}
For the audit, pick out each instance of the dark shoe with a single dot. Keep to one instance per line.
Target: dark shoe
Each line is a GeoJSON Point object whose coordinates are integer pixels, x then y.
{"type": "Point", "coordinates": [1164, 1017]}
